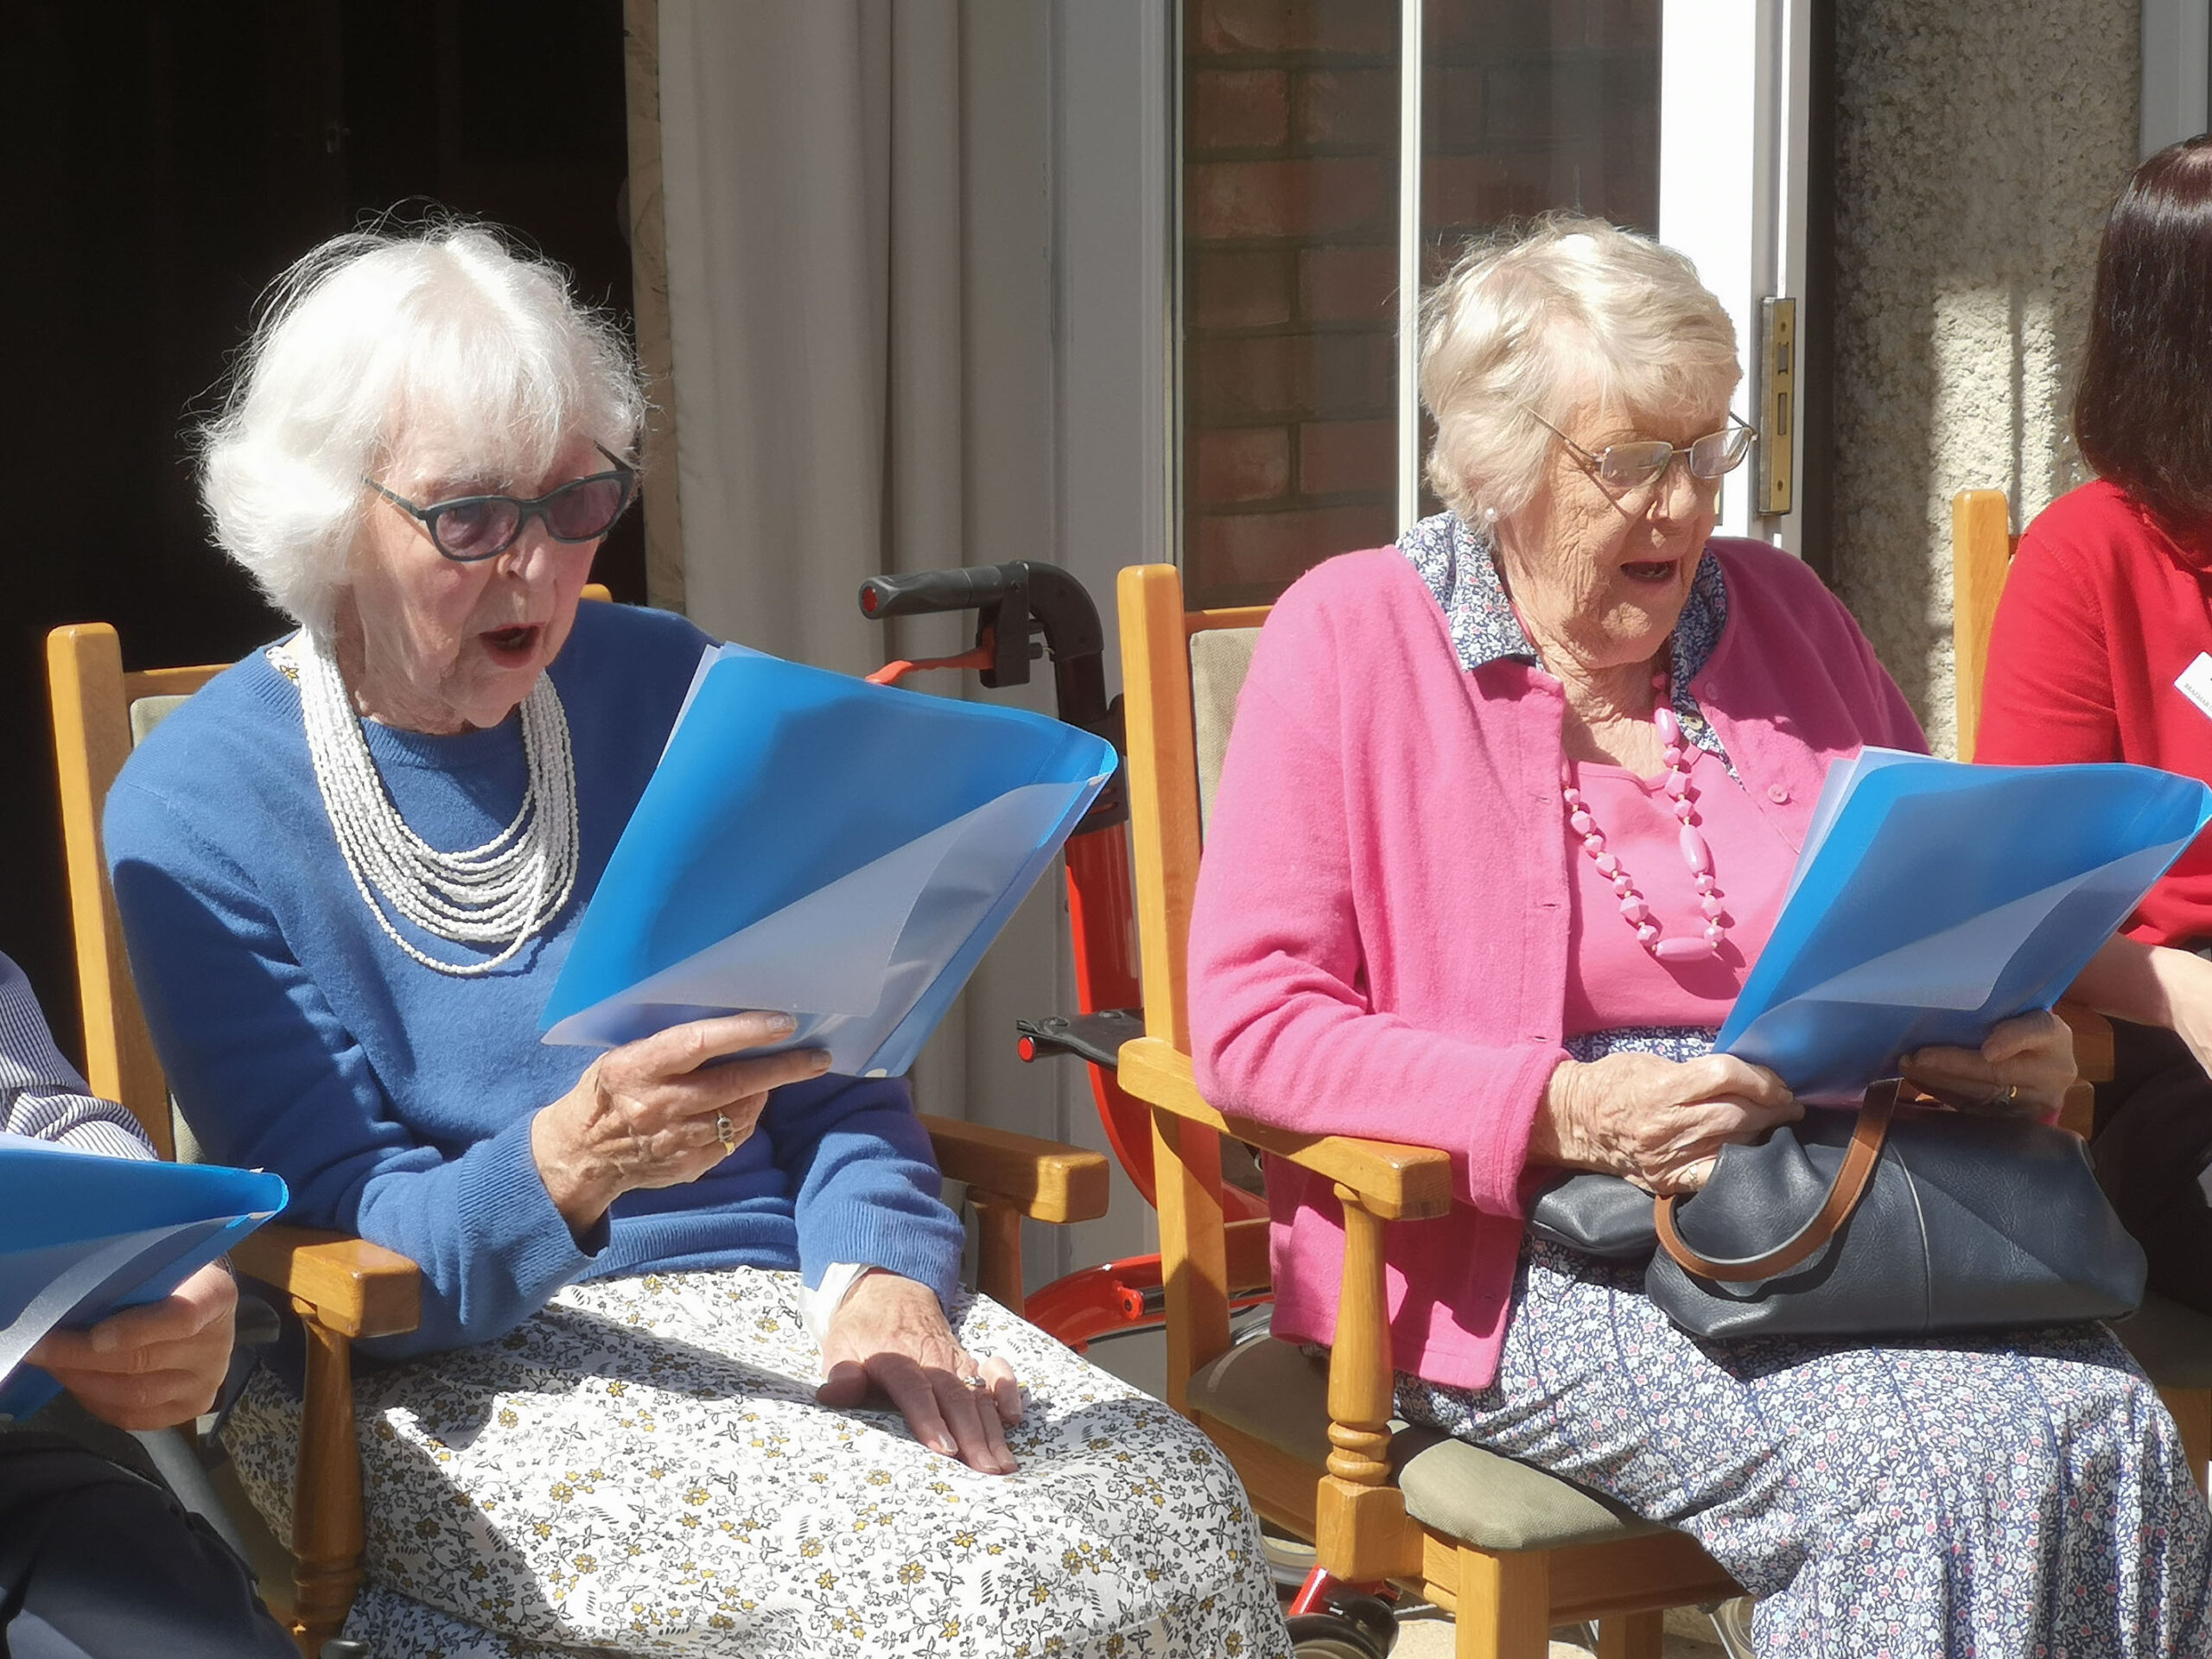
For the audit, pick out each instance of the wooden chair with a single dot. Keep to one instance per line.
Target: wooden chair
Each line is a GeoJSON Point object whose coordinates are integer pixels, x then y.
{"type": "Point", "coordinates": [343, 1288]}
{"type": "Point", "coordinates": [1510, 1550]}
{"type": "Point", "coordinates": [1981, 554]}
{"type": "Point", "coordinates": [2171, 1342]}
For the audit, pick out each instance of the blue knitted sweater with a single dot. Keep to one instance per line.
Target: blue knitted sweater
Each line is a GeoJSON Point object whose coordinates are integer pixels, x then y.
{"type": "Point", "coordinates": [396, 1101]}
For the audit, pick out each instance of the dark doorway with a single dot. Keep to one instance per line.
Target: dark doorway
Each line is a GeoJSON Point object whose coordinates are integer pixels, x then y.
{"type": "Point", "coordinates": [171, 160]}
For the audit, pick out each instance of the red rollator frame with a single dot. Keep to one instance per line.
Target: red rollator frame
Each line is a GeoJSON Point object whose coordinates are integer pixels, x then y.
{"type": "Point", "coordinates": [1016, 603]}
{"type": "Point", "coordinates": [1013, 603]}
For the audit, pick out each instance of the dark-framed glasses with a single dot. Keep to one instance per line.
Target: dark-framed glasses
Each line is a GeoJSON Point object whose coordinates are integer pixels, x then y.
{"type": "Point", "coordinates": [1641, 462]}
{"type": "Point", "coordinates": [472, 527]}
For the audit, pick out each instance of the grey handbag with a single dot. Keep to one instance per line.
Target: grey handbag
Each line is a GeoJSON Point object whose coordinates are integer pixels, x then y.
{"type": "Point", "coordinates": [1892, 1221]}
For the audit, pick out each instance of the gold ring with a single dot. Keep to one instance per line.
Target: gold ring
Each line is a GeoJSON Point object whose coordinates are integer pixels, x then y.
{"type": "Point", "coordinates": [726, 1131]}
{"type": "Point", "coordinates": [2011, 1096]}
{"type": "Point", "coordinates": [974, 1383]}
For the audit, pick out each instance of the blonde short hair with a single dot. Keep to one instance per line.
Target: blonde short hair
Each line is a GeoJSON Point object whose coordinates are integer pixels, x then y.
{"type": "Point", "coordinates": [1554, 316]}
{"type": "Point", "coordinates": [445, 334]}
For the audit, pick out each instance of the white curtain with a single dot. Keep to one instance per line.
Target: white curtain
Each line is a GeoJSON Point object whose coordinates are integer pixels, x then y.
{"type": "Point", "coordinates": [811, 158]}
{"type": "Point", "coordinates": [860, 230]}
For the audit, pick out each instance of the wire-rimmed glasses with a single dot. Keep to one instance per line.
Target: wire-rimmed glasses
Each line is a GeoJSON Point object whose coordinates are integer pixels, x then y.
{"type": "Point", "coordinates": [1641, 462]}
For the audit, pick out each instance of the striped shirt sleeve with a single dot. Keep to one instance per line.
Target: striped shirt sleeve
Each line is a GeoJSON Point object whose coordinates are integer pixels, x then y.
{"type": "Point", "coordinates": [42, 1094]}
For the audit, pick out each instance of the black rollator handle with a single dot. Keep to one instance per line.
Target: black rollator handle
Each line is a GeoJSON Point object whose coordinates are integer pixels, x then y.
{"type": "Point", "coordinates": [1014, 603]}
{"type": "Point", "coordinates": [927, 592]}
{"type": "Point", "coordinates": [1011, 603]}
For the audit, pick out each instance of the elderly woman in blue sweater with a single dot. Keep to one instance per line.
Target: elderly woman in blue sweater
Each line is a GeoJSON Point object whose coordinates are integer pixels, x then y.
{"type": "Point", "coordinates": [667, 1292]}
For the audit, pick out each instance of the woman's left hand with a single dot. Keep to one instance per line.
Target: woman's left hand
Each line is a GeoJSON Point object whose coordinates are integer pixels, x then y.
{"type": "Point", "coordinates": [154, 1366]}
{"type": "Point", "coordinates": [2022, 1069]}
{"type": "Point", "coordinates": [891, 1334]}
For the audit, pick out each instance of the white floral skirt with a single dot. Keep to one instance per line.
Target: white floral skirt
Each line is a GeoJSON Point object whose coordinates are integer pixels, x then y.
{"type": "Point", "coordinates": [642, 1469]}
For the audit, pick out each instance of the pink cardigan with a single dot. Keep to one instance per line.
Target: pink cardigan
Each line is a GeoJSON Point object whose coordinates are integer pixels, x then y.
{"type": "Point", "coordinates": [1379, 942]}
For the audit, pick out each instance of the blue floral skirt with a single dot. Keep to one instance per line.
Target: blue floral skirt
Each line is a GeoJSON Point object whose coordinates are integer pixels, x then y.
{"type": "Point", "coordinates": [2023, 1493]}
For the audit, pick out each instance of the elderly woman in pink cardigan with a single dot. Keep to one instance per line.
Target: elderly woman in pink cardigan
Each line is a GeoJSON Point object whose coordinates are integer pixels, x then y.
{"type": "Point", "coordinates": [1508, 812]}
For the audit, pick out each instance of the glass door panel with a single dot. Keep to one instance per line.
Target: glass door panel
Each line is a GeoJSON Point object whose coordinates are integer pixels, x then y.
{"type": "Point", "coordinates": [1300, 432]}
{"type": "Point", "coordinates": [1528, 105]}
{"type": "Point", "coordinates": [1290, 193]}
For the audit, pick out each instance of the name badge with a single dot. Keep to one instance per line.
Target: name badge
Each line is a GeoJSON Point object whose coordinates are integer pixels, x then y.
{"type": "Point", "coordinates": [2195, 683]}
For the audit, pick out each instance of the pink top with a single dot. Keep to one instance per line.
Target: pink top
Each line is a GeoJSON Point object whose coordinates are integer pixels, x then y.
{"type": "Point", "coordinates": [1613, 982]}
{"type": "Point", "coordinates": [1379, 944]}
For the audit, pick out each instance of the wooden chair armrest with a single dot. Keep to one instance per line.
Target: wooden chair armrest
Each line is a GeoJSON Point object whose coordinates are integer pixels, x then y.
{"type": "Point", "coordinates": [2092, 1041]}
{"type": "Point", "coordinates": [1394, 1181]}
{"type": "Point", "coordinates": [356, 1288]}
{"type": "Point", "coordinates": [1044, 1181]}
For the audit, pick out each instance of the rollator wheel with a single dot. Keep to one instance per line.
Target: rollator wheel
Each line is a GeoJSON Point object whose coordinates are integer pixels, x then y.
{"type": "Point", "coordinates": [1731, 1622]}
{"type": "Point", "coordinates": [1331, 1636]}
{"type": "Point", "coordinates": [1376, 1619]}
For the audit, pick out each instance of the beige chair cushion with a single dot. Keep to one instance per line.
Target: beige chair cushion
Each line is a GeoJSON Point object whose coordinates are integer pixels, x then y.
{"type": "Point", "coordinates": [1220, 658]}
{"type": "Point", "coordinates": [1279, 1395]}
{"type": "Point", "coordinates": [146, 713]}
{"type": "Point", "coordinates": [2172, 1342]}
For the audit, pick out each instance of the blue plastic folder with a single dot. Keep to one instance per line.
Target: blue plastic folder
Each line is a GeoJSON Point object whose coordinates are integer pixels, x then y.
{"type": "Point", "coordinates": [1934, 900]}
{"type": "Point", "coordinates": [840, 851]}
{"type": "Point", "coordinates": [81, 1236]}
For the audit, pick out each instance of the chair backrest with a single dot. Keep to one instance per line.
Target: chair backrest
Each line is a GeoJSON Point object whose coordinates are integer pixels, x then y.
{"type": "Point", "coordinates": [1176, 734]}
{"type": "Point", "coordinates": [1981, 553]}
{"type": "Point", "coordinates": [91, 699]}
{"type": "Point", "coordinates": [100, 714]}
{"type": "Point", "coordinates": [1180, 674]}
{"type": "Point", "coordinates": [1221, 656]}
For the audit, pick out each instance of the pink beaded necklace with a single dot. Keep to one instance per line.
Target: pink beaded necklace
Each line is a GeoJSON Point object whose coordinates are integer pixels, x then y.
{"type": "Point", "coordinates": [1680, 757]}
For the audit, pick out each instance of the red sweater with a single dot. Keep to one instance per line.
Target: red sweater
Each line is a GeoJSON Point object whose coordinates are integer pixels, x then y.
{"type": "Point", "coordinates": [2103, 610]}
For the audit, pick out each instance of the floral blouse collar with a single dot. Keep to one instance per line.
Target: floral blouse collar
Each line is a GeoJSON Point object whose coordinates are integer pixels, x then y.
{"type": "Point", "coordinates": [1457, 566]}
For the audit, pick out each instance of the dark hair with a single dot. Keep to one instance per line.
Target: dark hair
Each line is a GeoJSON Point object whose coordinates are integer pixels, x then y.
{"type": "Point", "coordinates": [2142, 416]}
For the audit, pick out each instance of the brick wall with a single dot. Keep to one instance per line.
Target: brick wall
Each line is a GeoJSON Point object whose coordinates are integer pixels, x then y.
{"type": "Point", "coordinates": [1290, 234]}
{"type": "Point", "coordinates": [1290, 185]}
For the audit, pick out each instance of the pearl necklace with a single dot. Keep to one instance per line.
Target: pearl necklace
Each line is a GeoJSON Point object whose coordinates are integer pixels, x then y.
{"type": "Point", "coordinates": [502, 893]}
{"type": "Point", "coordinates": [1680, 757]}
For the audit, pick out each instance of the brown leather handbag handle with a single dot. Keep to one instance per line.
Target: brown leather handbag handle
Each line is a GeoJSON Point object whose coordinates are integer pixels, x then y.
{"type": "Point", "coordinates": [1851, 1181]}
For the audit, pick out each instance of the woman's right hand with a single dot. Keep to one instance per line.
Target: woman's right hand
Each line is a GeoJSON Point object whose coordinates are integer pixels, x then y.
{"type": "Point", "coordinates": [642, 1114]}
{"type": "Point", "coordinates": [1660, 1122]}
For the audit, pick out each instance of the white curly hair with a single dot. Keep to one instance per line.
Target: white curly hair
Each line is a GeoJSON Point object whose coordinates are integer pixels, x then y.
{"type": "Point", "coordinates": [1548, 318]}
{"type": "Point", "coordinates": [444, 342]}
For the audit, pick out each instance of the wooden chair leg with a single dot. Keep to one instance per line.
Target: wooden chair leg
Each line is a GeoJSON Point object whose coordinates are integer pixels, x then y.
{"type": "Point", "coordinates": [326, 1489]}
{"type": "Point", "coordinates": [1360, 1529]}
{"type": "Point", "coordinates": [998, 1251]}
{"type": "Point", "coordinates": [1631, 1636]}
{"type": "Point", "coordinates": [2192, 1414]}
{"type": "Point", "coordinates": [1505, 1606]}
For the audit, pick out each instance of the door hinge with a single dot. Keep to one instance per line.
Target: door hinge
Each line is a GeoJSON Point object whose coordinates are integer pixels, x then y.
{"type": "Point", "coordinates": [1777, 420]}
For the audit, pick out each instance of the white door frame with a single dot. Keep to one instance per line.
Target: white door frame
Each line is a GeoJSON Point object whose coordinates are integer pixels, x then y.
{"type": "Point", "coordinates": [1411, 65]}
{"type": "Point", "coordinates": [1734, 79]}
{"type": "Point", "coordinates": [1734, 82]}
{"type": "Point", "coordinates": [1113, 252]}
{"type": "Point", "coordinates": [2176, 66]}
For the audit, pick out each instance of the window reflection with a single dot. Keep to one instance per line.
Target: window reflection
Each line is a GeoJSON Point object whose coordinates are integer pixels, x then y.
{"type": "Point", "coordinates": [1290, 148]}
{"type": "Point", "coordinates": [1290, 186]}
